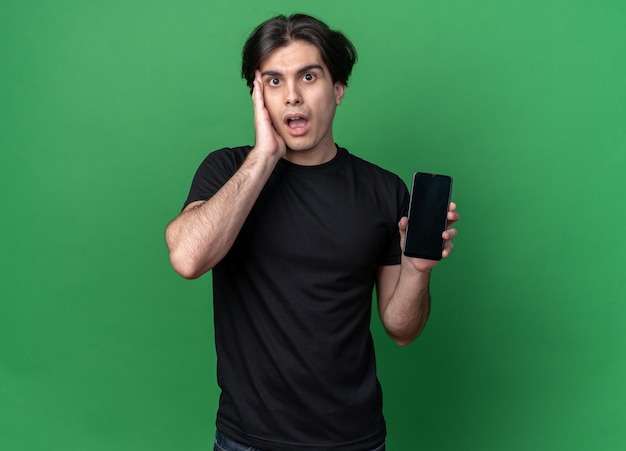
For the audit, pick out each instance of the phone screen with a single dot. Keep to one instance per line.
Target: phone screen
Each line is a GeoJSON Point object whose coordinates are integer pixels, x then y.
{"type": "Point", "coordinates": [428, 215]}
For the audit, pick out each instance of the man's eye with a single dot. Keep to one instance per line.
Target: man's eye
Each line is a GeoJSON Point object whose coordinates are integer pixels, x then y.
{"type": "Point", "coordinates": [274, 81]}
{"type": "Point", "coordinates": [309, 77]}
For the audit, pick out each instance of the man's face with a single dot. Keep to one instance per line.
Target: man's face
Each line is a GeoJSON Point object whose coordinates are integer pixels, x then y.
{"type": "Point", "coordinates": [301, 99]}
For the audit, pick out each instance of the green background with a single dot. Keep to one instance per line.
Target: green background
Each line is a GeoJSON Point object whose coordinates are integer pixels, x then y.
{"type": "Point", "coordinates": [106, 110]}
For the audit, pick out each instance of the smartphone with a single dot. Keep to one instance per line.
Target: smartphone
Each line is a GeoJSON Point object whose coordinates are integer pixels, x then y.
{"type": "Point", "coordinates": [428, 215]}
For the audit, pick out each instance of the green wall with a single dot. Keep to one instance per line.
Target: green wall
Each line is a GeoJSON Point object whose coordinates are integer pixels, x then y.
{"type": "Point", "coordinates": [107, 108]}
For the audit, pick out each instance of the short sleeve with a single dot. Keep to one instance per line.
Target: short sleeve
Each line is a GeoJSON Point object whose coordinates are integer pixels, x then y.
{"type": "Point", "coordinates": [214, 171]}
{"type": "Point", "coordinates": [399, 208]}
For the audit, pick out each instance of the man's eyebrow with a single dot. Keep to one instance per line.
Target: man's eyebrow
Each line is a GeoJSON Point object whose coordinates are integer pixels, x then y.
{"type": "Point", "coordinates": [311, 67]}
{"type": "Point", "coordinates": [273, 73]}
{"type": "Point", "coordinates": [307, 68]}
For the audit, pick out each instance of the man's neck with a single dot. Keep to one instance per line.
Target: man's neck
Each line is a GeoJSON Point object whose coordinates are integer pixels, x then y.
{"type": "Point", "coordinates": [311, 157]}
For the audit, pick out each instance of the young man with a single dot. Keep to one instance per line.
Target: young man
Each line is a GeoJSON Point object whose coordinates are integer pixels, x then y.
{"type": "Point", "coordinates": [298, 232]}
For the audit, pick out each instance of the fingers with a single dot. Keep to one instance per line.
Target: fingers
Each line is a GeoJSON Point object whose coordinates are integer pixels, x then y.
{"type": "Point", "coordinates": [257, 93]}
{"type": "Point", "coordinates": [448, 246]}
{"type": "Point", "coordinates": [449, 234]}
{"type": "Point", "coordinates": [453, 216]}
{"type": "Point", "coordinates": [404, 222]}
{"type": "Point", "coordinates": [402, 225]}
{"type": "Point", "coordinates": [267, 138]}
{"type": "Point", "coordinates": [447, 249]}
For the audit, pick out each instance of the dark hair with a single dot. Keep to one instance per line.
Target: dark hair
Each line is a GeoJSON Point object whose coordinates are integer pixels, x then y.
{"type": "Point", "coordinates": [335, 48]}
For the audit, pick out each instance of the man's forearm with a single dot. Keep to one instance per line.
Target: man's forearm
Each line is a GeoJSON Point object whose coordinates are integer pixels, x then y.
{"type": "Point", "coordinates": [406, 312]}
{"type": "Point", "coordinates": [202, 234]}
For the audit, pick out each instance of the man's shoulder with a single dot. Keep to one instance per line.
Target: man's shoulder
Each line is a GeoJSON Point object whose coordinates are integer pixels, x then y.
{"type": "Point", "coordinates": [229, 153]}
{"type": "Point", "coordinates": [216, 168]}
{"type": "Point", "coordinates": [225, 159]}
{"type": "Point", "coordinates": [372, 169]}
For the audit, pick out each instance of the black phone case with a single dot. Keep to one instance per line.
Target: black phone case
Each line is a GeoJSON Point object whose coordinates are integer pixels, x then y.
{"type": "Point", "coordinates": [428, 215]}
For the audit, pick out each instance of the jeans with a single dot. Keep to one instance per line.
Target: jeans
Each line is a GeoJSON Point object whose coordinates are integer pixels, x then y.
{"type": "Point", "coordinates": [225, 443]}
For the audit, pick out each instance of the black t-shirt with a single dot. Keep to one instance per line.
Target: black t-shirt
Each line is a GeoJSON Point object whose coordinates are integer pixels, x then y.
{"type": "Point", "coordinates": [292, 301]}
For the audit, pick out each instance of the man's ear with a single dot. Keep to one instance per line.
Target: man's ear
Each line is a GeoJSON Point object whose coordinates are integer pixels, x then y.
{"type": "Point", "coordinates": [340, 90]}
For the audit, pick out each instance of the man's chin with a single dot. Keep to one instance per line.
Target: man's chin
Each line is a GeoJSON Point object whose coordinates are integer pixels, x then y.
{"type": "Point", "coordinates": [298, 145]}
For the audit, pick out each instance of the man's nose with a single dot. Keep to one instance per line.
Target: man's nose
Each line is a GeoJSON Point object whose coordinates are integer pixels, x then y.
{"type": "Point", "coordinates": [292, 94]}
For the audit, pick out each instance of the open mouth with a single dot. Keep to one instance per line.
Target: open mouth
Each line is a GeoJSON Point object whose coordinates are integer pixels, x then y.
{"type": "Point", "coordinates": [296, 122]}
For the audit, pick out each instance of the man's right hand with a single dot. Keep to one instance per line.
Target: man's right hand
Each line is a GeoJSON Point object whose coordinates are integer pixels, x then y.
{"type": "Point", "coordinates": [204, 232]}
{"type": "Point", "coordinates": [267, 138]}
